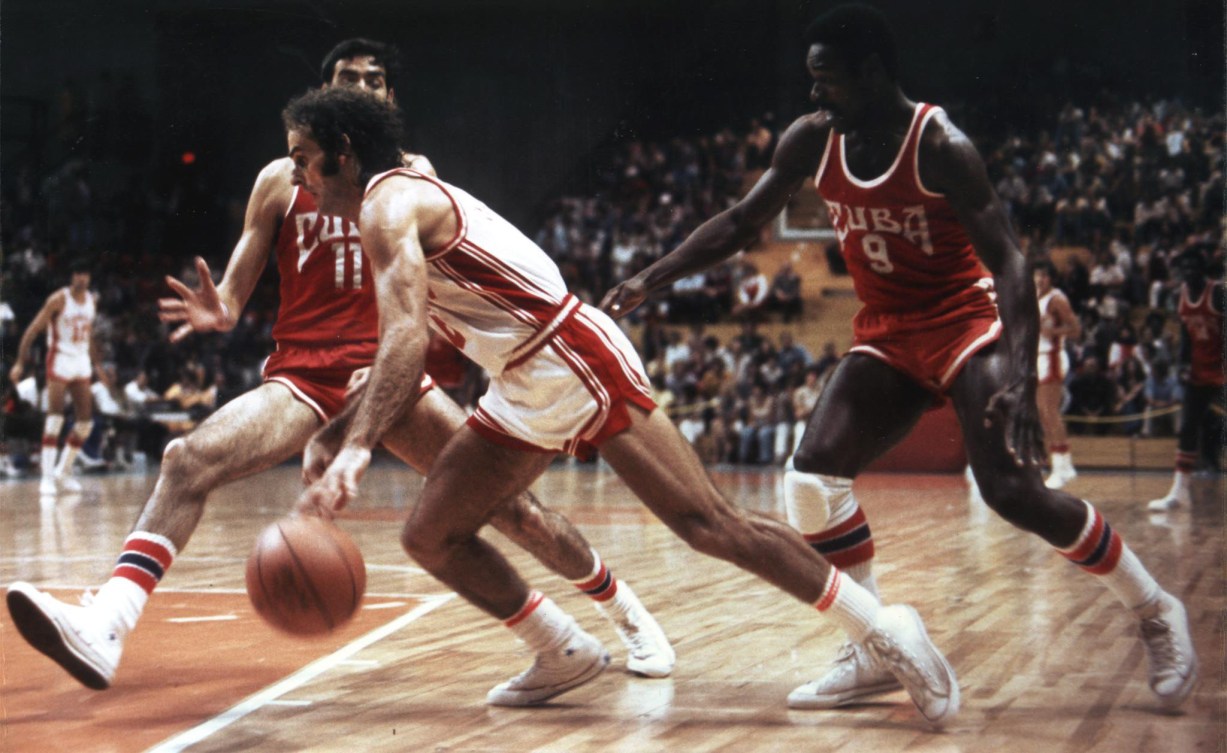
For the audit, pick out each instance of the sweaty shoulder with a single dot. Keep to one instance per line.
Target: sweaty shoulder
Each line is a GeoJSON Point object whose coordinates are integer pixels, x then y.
{"type": "Point", "coordinates": [274, 188]}
{"type": "Point", "coordinates": [401, 199]}
{"type": "Point", "coordinates": [946, 154]}
{"type": "Point", "coordinates": [802, 144]}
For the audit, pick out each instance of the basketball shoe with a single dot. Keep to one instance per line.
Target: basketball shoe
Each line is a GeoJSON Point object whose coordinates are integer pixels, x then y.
{"type": "Point", "coordinates": [900, 643]}
{"type": "Point", "coordinates": [576, 661]}
{"type": "Point", "coordinates": [648, 651]}
{"type": "Point", "coordinates": [1173, 662]}
{"type": "Point", "coordinates": [1178, 496]}
{"type": "Point", "coordinates": [854, 674]}
{"type": "Point", "coordinates": [71, 636]}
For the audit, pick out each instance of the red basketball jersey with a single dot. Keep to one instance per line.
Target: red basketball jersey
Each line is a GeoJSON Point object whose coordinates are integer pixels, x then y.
{"type": "Point", "coordinates": [1204, 325]}
{"type": "Point", "coordinates": [903, 245]}
{"type": "Point", "coordinates": [327, 294]}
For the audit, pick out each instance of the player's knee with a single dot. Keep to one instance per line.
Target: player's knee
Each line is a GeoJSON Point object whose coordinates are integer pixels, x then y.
{"type": "Point", "coordinates": [1018, 499]}
{"type": "Point", "coordinates": [705, 532]}
{"type": "Point", "coordinates": [426, 548]}
{"type": "Point", "coordinates": [519, 520]}
{"type": "Point", "coordinates": [174, 455]}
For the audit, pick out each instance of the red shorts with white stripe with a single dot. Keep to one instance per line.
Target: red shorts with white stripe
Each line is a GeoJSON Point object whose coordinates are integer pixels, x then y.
{"type": "Point", "coordinates": [571, 394]}
{"type": "Point", "coordinates": [318, 376]}
{"type": "Point", "coordinates": [930, 349]}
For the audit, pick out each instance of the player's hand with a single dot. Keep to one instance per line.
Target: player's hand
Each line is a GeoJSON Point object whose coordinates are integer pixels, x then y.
{"type": "Point", "coordinates": [624, 298]}
{"type": "Point", "coordinates": [200, 310]}
{"type": "Point", "coordinates": [337, 486]}
{"type": "Point", "coordinates": [357, 382]}
{"type": "Point", "coordinates": [1013, 407]}
{"type": "Point", "coordinates": [15, 373]}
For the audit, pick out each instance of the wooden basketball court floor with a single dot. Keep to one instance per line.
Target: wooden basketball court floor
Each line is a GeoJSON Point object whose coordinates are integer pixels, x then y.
{"type": "Point", "coordinates": [1047, 659]}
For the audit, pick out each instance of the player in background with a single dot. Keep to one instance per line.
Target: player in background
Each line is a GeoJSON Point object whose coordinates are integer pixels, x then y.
{"type": "Point", "coordinates": [914, 213]}
{"type": "Point", "coordinates": [1057, 322]}
{"type": "Point", "coordinates": [72, 361]}
{"type": "Point", "coordinates": [1200, 310]}
{"type": "Point", "coordinates": [326, 333]}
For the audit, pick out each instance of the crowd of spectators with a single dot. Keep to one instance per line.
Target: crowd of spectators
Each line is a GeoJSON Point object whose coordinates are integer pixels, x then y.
{"type": "Point", "coordinates": [1111, 193]}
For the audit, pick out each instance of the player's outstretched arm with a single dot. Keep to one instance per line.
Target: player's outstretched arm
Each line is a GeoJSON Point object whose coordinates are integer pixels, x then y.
{"type": "Point", "coordinates": [53, 305]}
{"type": "Point", "coordinates": [951, 165]}
{"type": "Point", "coordinates": [796, 159]}
{"type": "Point", "coordinates": [338, 455]}
{"type": "Point", "coordinates": [212, 308]}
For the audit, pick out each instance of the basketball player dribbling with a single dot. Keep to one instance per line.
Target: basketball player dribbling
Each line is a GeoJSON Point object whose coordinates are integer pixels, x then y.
{"type": "Point", "coordinates": [326, 333]}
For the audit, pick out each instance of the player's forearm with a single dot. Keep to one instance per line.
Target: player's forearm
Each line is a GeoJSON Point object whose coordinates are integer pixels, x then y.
{"type": "Point", "coordinates": [394, 385]}
{"type": "Point", "coordinates": [1019, 314]}
{"type": "Point", "coordinates": [713, 241]}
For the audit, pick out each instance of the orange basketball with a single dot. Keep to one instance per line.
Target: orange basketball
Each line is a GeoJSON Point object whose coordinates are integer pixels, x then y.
{"type": "Point", "coordinates": [305, 576]}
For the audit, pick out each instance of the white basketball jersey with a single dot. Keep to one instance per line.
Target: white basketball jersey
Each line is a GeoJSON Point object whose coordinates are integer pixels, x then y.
{"type": "Point", "coordinates": [493, 293]}
{"type": "Point", "coordinates": [70, 329]}
{"type": "Point", "coordinates": [1049, 344]}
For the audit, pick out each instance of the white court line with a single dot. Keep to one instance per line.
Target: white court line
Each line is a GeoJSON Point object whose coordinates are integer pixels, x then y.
{"type": "Point", "coordinates": [293, 682]}
{"type": "Point", "coordinates": [210, 618]}
{"type": "Point", "coordinates": [173, 590]}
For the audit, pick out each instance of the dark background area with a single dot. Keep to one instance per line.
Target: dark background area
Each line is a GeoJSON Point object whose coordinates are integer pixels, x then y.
{"type": "Point", "coordinates": [509, 99]}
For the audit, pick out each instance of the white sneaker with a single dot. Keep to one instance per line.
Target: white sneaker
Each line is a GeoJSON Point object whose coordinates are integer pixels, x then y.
{"type": "Point", "coordinates": [70, 635]}
{"type": "Point", "coordinates": [854, 674]}
{"type": "Point", "coordinates": [1173, 662]}
{"type": "Point", "coordinates": [554, 672]}
{"type": "Point", "coordinates": [47, 487]}
{"type": "Point", "coordinates": [1170, 501]}
{"type": "Point", "coordinates": [68, 484]}
{"type": "Point", "coordinates": [648, 652]}
{"type": "Point", "coordinates": [899, 642]}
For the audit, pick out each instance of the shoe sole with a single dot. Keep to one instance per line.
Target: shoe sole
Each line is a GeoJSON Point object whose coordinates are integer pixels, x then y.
{"type": "Point", "coordinates": [46, 635]}
{"type": "Point", "coordinates": [530, 698]}
{"type": "Point", "coordinates": [645, 670]}
{"type": "Point", "coordinates": [848, 698]}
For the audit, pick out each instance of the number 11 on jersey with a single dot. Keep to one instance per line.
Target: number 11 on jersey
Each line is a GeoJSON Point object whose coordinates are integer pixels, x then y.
{"type": "Point", "coordinates": [348, 265]}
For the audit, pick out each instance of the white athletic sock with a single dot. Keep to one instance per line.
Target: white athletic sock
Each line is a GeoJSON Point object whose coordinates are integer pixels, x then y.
{"type": "Point", "coordinates": [1100, 551]}
{"type": "Point", "coordinates": [144, 560]}
{"type": "Point", "coordinates": [852, 607]}
{"type": "Point", "coordinates": [541, 624]}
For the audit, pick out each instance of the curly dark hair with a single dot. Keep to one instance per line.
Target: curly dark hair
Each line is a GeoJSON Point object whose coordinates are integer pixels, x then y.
{"type": "Point", "coordinates": [856, 32]}
{"type": "Point", "coordinates": [374, 128]}
{"type": "Point", "coordinates": [384, 54]}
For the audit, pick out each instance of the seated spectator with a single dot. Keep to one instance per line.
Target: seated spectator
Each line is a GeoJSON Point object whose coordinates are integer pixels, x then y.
{"type": "Point", "coordinates": [793, 357]}
{"type": "Point", "coordinates": [785, 296]}
{"type": "Point", "coordinates": [1092, 394]}
{"type": "Point", "coordinates": [1163, 393]}
{"type": "Point", "coordinates": [751, 293]}
{"type": "Point", "coordinates": [757, 443]}
{"type": "Point", "coordinates": [190, 394]}
{"type": "Point", "coordinates": [828, 359]}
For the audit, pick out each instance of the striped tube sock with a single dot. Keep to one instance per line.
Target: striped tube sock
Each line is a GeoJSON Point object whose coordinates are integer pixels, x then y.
{"type": "Point", "coordinates": [852, 607]}
{"type": "Point", "coordinates": [144, 560]}
{"type": "Point", "coordinates": [600, 584]}
{"type": "Point", "coordinates": [1186, 462]}
{"type": "Point", "coordinates": [1100, 551]}
{"type": "Point", "coordinates": [847, 543]}
{"type": "Point", "coordinates": [540, 623]}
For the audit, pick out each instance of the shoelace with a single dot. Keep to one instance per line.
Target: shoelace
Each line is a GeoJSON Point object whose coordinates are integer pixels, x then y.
{"type": "Point", "coordinates": [1164, 653]}
{"type": "Point", "coordinates": [898, 658]}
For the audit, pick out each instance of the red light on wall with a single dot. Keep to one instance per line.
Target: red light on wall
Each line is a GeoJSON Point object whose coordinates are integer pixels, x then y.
{"type": "Point", "coordinates": [188, 158]}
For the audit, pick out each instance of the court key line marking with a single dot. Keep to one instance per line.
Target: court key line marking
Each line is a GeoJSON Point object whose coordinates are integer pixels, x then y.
{"type": "Point", "coordinates": [293, 682]}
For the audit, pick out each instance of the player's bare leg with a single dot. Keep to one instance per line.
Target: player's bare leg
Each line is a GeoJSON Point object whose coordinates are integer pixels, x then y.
{"type": "Point", "coordinates": [471, 477]}
{"type": "Point", "coordinates": [862, 392]}
{"type": "Point", "coordinates": [1074, 528]}
{"type": "Point", "coordinates": [1048, 400]}
{"type": "Point", "coordinates": [252, 433]}
{"type": "Point", "coordinates": [552, 539]}
{"type": "Point", "coordinates": [663, 470]}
